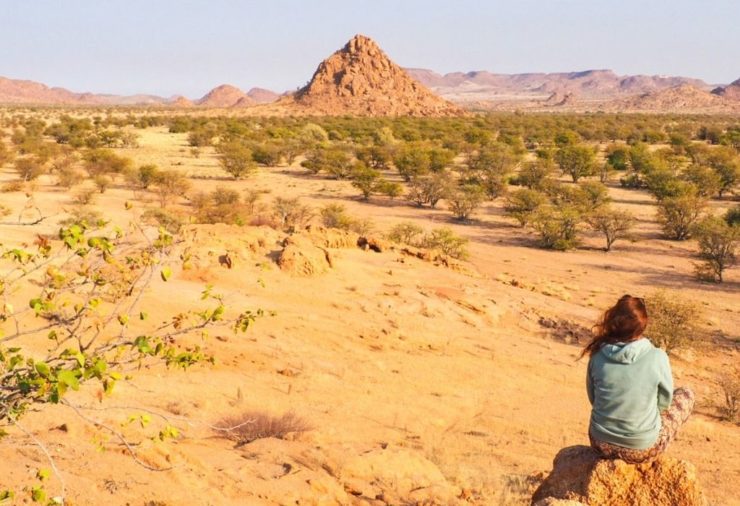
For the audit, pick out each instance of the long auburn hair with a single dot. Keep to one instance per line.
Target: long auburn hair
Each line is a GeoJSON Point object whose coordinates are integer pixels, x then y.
{"type": "Point", "coordinates": [624, 322]}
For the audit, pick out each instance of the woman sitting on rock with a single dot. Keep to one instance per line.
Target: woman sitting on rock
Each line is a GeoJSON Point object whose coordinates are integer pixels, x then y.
{"type": "Point", "coordinates": [635, 413]}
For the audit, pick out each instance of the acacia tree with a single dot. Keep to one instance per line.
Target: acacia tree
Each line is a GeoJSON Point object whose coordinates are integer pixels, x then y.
{"type": "Point", "coordinates": [612, 223]}
{"type": "Point", "coordinates": [677, 215]}
{"type": "Point", "coordinates": [236, 158]}
{"type": "Point", "coordinates": [576, 160]}
{"type": "Point", "coordinates": [717, 243]}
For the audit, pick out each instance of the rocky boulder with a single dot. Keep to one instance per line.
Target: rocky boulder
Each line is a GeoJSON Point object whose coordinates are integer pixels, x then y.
{"type": "Point", "coordinates": [581, 477]}
{"type": "Point", "coordinates": [301, 257]}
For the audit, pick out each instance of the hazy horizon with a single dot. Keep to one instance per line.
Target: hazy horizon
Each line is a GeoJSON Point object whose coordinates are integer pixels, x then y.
{"type": "Point", "coordinates": [188, 47]}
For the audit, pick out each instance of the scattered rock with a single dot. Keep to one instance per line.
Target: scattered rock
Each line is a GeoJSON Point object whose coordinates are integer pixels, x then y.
{"type": "Point", "coordinates": [580, 476]}
{"type": "Point", "coordinates": [374, 243]}
{"type": "Point", "coordinates": [566, 331]}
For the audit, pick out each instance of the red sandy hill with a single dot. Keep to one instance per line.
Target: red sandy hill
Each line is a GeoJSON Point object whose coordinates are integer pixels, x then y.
{"type": "Point", "coordinates": [361, 80]}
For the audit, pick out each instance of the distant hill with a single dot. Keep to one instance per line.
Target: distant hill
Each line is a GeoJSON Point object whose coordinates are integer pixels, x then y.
{"type": "Point", "coordinates": [483, 87]}
{"type": "Point", "coordinates": [730, 92]}
{"type": "Point", "coordinates": [225, 95]}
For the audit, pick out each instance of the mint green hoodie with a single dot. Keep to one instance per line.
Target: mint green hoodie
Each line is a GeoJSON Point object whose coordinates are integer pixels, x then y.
{"type": "Point", "coordinates": [628, 385]}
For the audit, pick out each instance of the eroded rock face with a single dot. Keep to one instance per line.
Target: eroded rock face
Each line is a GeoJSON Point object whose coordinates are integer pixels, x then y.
{"type": "Point", "coordinates": [301, 257]}
{"type": "Point", "coordinates": [580, 475]}
{"type": "Point", "coordinates": [360, 79]}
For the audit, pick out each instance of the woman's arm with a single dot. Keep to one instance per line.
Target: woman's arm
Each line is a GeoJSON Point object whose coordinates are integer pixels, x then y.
{"type": "Point", "coordinates": [589, 384]}
{"type": "Point", "coordinates": [665, 382]}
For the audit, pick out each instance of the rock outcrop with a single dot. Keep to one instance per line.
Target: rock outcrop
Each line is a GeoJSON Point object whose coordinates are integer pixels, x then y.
{"type": "Point", "coordinates": [579, 476]}
{"type": "Point", "coordinates": [301, 257]}
{"type": "Point", "coordinates": [361, 80]}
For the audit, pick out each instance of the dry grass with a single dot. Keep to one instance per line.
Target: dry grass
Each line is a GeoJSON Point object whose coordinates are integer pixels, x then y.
{"type": "Point", "coordinates": [253, 425]}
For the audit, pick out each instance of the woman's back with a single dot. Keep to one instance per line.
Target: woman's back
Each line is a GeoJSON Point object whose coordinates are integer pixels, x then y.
{"type": "Point", "coordinates": [628, 385]}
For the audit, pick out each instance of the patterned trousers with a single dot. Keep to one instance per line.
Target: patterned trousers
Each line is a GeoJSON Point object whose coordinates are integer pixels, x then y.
{"type": "Point", "coordinates": [671, 420]}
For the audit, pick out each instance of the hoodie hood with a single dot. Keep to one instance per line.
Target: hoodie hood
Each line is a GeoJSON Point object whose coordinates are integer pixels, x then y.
{"type": "Point", "coordinates": [627, 353]}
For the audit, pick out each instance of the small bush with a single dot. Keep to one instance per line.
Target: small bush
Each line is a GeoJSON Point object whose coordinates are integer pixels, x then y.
{"type": "Point", "coordinates": [446, 241]}
{"type": "Point", "coordinates": [613, 224]}
{"type": "Point", "coordinates": [677, 215]}
{"type": "Point", "coordinates": [405, 233]}
{"type": "Point", "coordinates": [290, 214]}
{"type": "Point", "coordinates": [717, 244]}
{"type": "Point", "coordinates": [167, 219]}
{"type": "Point", "coordinates": [335, 216]}
{"type": "Point", "coordinates": [672, 320]}
{"type": "Point", "coordinates": [558, 227]}
{"type": "Point", "coordinates": [29, 168]}
{"type": "Point", "coordinates": [464, 200]}
{"type": "Point", "coordinates": [730, 385]}
{"type": "Point", "coordinates": [254, 425]}
{"type": "Point", "coordinates": [102, 182]}
{"type": "Point", "coordinates": [522, 205]}
{"type": "Point", "coordinates": [85, 196]}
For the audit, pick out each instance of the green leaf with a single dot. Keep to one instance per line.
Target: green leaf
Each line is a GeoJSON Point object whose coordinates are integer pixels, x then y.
{"type": "Point", "coordinates": [43, 369]}
{"type": "Point", "coordinates": [166, 273]}
{"type": "Point", "coordinates": [68, 378]}
{"type": "Point", "coordinates": [43, 474]}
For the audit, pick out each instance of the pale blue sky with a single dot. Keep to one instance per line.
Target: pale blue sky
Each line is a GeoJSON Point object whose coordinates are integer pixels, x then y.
{"type": "Point", "coordinates": [189, 46]}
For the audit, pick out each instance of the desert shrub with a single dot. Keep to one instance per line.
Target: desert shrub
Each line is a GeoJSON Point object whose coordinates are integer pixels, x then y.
{"type": "Point", "coordinates": [489, 167]}
{"type": "Point", "coordinates": [68, 176]}
{"type": "Point", "coordinates": [143, 177]}
{"type": "Point", "coordinates": [613, 224]}
{"type": "Point", "coordinates": [412, 160]}
{"type": "Point", "coordinates": [29, 168]}
{"type": "Point", "coordinates": [430, 189]}
{"type": "Point", "coordinates": [169, 184]}
{"type": "Point", "coordinates": [87, 218]}
{"type": "Point", "coordinates": [729, 384]}
{"type": "Point", "coordinates": [594, 194]}
{"type": "Point", "coordinates": [576, 160]}
{"type": "Point", "coordinates": [672, 320]}
{"type": "Point", "coordinates": [706, 180]}
{"type": "Point", "coordinates": [291, 214]}
{"type": "Point", "coordinates": [253, 425]}
{"type": "Point", "coordinates": [169, 220]}
{"type": "Point", "coordinates": [732, 216]}
{"type": "Point", "coordinates": [390, 189]}
{"type": "Point", "coordinates": [104, 161]}
{"type": "Point", "coordinates": [558, 227]}
{"type": "Point", "coordinates": [365, 179]}
{"type": "Point", "coordinates": [445, 240]}
{"type": "Point", "coordinates": [84, 196]}
{"type": "Point", "coordinates": [717, 243]}
{"type": "Point", "coordinates": [6, 155]}
{"type": "Point", "coordinates": [334, 161]}
{"type": "Point", "coordinates": [465, 199]}
{"type": "Point", "coordinates": [534, 175]}
{"type": "Point", "coordinates": [251, 197]}
{"type": "Point", "coordinates": [726, 164]}
{"type": "Point", "coordinates": [405, 233]}
{"type": "Point", "coordinates": [267, 155]}
{"type": "Point", "coordinates": [522, 204]}
{"type": "Point", "coordinates": [102, 182]}
{"type": "Point", "coordinates": [222, 205]}
{"type": "Point", "coordinates": [236, 158]}
{"type": "Point", "coordinates": [376, 157]}
{"type": "Point", "coordinates": [201, 137]}
{"type": "Point", "coordinates": [335, 216]}
{"type": "Point", "coordinates": [677, 215]}
{"type": "Point", "coordinates": [312, 133]}
{"type": "Point", "coordinates": [617, 156]}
